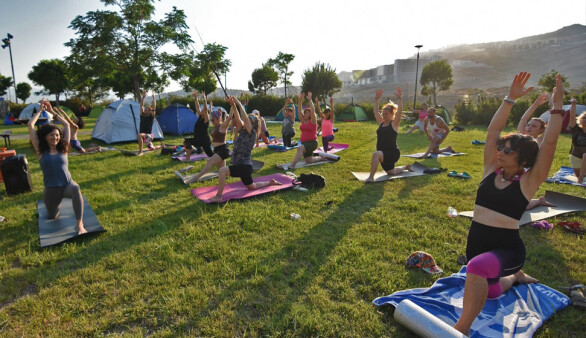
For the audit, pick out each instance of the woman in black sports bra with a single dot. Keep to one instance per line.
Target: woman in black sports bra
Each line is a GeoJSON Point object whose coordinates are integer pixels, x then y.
{"type": "Point", "coordinates": [495, 250]}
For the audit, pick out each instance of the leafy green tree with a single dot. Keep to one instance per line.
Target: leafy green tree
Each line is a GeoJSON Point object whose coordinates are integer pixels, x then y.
{"type": "Point", "coordinates": [51, 74]}
{"type": "Point", "coordinates": [435, 77]}
{"type": "Point", "coordinates": [281, 65]}
{"type": "Point", "coordinates": [547, 81]}
{"type": "Point", "coordinates": [200, 72]}
{"type": "Point", "coordinates": [321, 80]}
{"type": "Point", "coordinates": [23, 91]}
{"type": "Point", "coordinates": [5, 83]}
{"type": "Point", "coordinates": [263, 79]}
{"type": "Point", "coordinates": [124, 48]}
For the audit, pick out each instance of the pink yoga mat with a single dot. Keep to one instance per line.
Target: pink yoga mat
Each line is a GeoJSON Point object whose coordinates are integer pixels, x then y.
{"type": "Point", "coordinates": [335, 148]}
{"type": "Point", "coordinates": [192, 158]}
{"type": "Point", "coordinates": [237, 190]}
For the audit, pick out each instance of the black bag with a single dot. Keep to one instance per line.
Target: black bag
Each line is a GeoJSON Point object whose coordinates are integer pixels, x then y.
{"type": "Point", "coordinates": [168, 150]}
{"type": "Point", "coordinates": [310, 181]}
{"type": "Point", "coordinates": [15, 173]}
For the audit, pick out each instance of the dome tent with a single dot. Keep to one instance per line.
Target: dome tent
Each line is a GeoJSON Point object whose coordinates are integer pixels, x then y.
{"type": "Point", "coordinates": [279, 116]}
{"type": "Point", "coordinates": [32, 108]}
{"type": "Point", "coordinates": [352, 113]}
{"type": "Point", "coordinates": [177, 119]}
{"type": "Point", "coordinates": [120, 122]}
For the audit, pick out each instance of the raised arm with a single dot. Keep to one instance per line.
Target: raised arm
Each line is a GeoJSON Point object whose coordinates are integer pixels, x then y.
{"type": "Point", "coordinates": [311, 108]}
{"type": "Point", "coordinates": [154, 109]}
{"type": "Point", "coordinates": [573, 113]}
{"type": "Point", "coordinates": [224, 125]}
{"type": "Point", "coordinates": [64, 123]}
{"type": "Point", "coordinates": [525, 118]}
{"type": "Point", "coordinates": [72, 125]}
{"type": "Point", "coordinates": [299, 107]}
{"type": "Point", "coordinates": [499, 120]}
{"type": "Point", "coordinates": [32, 133]}
{"type": "Point", "coordinates": [377, 116]}
{"type": "Point", "coordinates": [538, 172]}
{"type": "Point", "coordinates": [142, 101]}
{"type": "Point", "coordinates": [397, 120]}
{"type": "Point", "coordinates": [196, 100]}
{"type": "Point", "coordinates": [243, 116]}
{"type": "Point", "coordinates": [205, 113]}
{"type": "Point", "coordinates": [318, 109]}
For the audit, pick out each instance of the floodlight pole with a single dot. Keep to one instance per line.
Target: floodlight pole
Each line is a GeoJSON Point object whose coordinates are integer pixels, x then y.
{"type": "Point", "coordinates": [416, 75]}
{"type": "Point", "coordinates": [7, 43]}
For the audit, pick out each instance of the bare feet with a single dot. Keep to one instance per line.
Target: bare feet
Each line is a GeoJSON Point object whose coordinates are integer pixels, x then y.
{"type": "Point", "coordinates": [275, 182]}
{"type": "Point", "coordinates": [524, 278]}
{"type": "Point", "coordinates": [215, 199]}
{"type": "Point", "coordinates": [139, 153]}
{"type": "Point", "coordinates": [408, 168]}
{"type": "Point", "coordinates": [80, 229]}
{"type": "Point", "coordinates": [370, 179]}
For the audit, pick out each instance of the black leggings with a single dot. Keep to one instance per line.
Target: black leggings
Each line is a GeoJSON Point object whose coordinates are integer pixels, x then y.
{"type": "Point", "coordinates": [287, 139]}
{"type": "Point", "coordinates": [52, 198]}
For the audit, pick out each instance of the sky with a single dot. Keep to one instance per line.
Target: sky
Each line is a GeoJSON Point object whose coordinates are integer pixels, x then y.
{"type": "Point", "coordinates": [347, 35]}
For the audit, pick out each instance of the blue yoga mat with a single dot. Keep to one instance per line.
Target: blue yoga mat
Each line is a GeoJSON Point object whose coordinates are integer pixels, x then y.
{"type": "Point", "coordinates": [518, 312]}
{"type": "Point", "coordinates": [565, 176]}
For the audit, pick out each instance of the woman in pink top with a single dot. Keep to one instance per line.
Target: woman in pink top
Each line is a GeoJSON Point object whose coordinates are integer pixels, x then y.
{"type": "Point", "coordinates": [327, 124]}
{"type": "Point", "coordinates": [308, 134]}
{"type": "Point", "coordinates": [421, 121]}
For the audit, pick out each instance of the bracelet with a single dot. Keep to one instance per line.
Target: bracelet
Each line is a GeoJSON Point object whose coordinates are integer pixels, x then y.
{"type": "Point", "coordinates": [556, 111]}
{"type": "Point", "coordinates": [507, 100]}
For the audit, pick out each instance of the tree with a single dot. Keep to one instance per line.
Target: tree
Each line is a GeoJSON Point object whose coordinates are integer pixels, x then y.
{"type": "Point", "coordinates": [23, 91]}
{"type": "Point", "coordinates": [124, 48]}
{"type": "Point", "coordinates": [281, 65]}
{"type": "Point", "coordinates": [51, 74]}
{"type": "Point", "coordinates": [200, 72]}
{"type": "Point", "coordinates": [321, 80]}
{"type": "Point", "coordinates": [263, 79]}
{"type": "Point", "coordinates": [547, 81]}
{"type": "Point", "coordinates": [438, 74]}
{"type": "Point", "coordinates": [5, 83]}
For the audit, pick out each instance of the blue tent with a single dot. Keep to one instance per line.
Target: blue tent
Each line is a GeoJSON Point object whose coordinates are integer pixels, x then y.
{"type": "Point", "coordinates": [177, 119]}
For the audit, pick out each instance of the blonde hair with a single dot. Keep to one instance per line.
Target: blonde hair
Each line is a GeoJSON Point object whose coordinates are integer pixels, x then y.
{"type": "Point", "coordinates": [392, 106]}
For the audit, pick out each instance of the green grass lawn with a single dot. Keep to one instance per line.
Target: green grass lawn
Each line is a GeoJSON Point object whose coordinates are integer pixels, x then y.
{"type": "Point", "coordinates": [171, 265]}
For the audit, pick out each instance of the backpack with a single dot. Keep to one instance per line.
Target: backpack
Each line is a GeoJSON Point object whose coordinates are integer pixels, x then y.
{"type": "Point", "coordinates": [310, 181]}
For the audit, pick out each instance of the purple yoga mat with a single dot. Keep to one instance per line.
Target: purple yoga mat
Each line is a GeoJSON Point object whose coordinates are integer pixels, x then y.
{"type": "Point", "coordinates": [335, 148]}
{"type": "Point", "coordinates": [192, 158]}
{"type": "Point", "coordinates": [237, 190]}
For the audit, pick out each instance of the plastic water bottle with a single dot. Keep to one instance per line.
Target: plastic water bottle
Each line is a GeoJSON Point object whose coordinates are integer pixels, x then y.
{"type": "Point", "coordinates": [452, 213]}
{"type": "Point", "coordinates": [295, 216]}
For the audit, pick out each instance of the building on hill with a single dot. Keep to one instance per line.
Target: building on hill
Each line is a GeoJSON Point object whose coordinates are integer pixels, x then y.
{"type": "Point", "coordinates": [402, 71]}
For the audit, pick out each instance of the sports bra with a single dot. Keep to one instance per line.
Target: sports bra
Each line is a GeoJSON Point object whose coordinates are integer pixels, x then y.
{"type": "Point", "coordinates": [508, 201]}
{"type": "Point", "coordinates": [218, 136]}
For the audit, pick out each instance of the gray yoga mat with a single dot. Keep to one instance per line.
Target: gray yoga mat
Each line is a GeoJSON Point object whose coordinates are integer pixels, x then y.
{"type": "Point", "coordinates": [61, 229]}
{"type": "Point", "coordinates": [563, 204]}
{"type": "Point", "coordinates": [382, 176]}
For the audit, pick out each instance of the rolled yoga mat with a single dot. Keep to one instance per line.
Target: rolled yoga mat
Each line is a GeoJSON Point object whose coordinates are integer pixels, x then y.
{"type": "Point", "coordinates": [421, 322]}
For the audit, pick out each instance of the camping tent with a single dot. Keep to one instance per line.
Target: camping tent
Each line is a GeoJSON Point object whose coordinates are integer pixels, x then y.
{"type": "Point", "coordinates": [566, 119]}
{"type": "Point", "coordinates": [29, 110]}
{"type": "Point", "coordinates": [96, 111]}
{"type": "Point", "coordinates": [442, 112]}
{"type": "Point", "coordinates": [279, 116]}
{"type": "Point", "coordinates": [177, 119]}
{"type": "Point", "coordinates": [352, 112]}
{"type": "Point", "coordinates": [120, 122]}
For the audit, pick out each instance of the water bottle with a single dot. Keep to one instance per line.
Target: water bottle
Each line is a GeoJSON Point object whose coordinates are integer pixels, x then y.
{"type": "Point", "coordinates": [452, 213]}
{"type": "Point", "coordinates": [295, 216]}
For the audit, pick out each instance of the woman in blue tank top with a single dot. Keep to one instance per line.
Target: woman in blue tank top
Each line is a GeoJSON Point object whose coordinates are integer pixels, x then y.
{"type": "Point", "coordinates": [51, 145]}
{"type": "Point", "coordinates": [495, 250]}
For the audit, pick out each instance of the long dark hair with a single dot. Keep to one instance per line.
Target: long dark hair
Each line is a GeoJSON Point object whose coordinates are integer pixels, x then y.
{"type": "Point", "coordinates": [45, 130]}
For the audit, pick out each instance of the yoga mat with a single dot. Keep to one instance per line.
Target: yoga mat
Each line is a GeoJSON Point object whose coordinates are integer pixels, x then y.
{"type": "Point", "coordinates": [564, 204]}
{"type": "Point", "coordinates": [302, 164]}
{"type": "Point", "coordinates": [135, 152]}
{"type": "Point", "coordinates": [517, 313]}
{"type": "Point", "coordinates": [335, 148]}
{"type": "Point", "coordinates": [281, 147]}
{"type": "Point", "coordinates": [192, 158]}
{"type": "Point", "coordinates": [444, 154]}
{"type": "Point", "coordinates": [237, 190]}
{"type": "Point", "coordinates": [381, 176]}
{"type": "Point", "coordinates": [564, 176]}
{"type": "Point", "coordinates": [63, 228]}
{"type": "Point", "coordinates": [76, 153]}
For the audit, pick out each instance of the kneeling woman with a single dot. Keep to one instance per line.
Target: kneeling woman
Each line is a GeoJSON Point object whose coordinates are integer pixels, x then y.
{"type": "Point", "coordinates": [495, 249]}
{"type": "Point", "coordinates": [387, 152]}
{"type": "Point", "coordinates": [51, 145]}
{"type": "Point", "coordinates": [248, 131]}
{"type": "Point", "coordinates": [221, 151]}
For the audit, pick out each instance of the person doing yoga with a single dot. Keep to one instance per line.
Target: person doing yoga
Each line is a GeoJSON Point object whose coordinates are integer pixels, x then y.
{"type": "Point", "coordinates": [327, 124]}
{"type": "Point", "coordinates": [201, 138]}
{"type": "Point", "coordinates": [248, 131]}
{"type": "Point", "coordinates": [387, 152]}
{"type": "Point", "coordinates": [437, 131]}
{"type": "Point", "coordinates": [533, 126]}
{"type": "Point", "coordinates": [495, 250]}
{"type": "Point", "coordinates": [147, 117]}
{"type": "Point", "coordinates": [221, 151]}
{"type": "Point", "coordinates": [288, 128]}
{"type": "Point", "coordinates": [51, 145]}
{"type": "Point", "coordinates": [578, 150]}
{"type": "Point", "coordinates": [74, 126]}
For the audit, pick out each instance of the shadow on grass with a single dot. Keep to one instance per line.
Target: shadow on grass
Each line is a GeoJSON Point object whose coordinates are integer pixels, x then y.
{"type": "Point", "coordinates": [291, 270]}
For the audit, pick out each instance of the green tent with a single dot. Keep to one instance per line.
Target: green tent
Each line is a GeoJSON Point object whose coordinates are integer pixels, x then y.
{"type": "Point", "coordinates": [96, 111]}
{"type": "Point", "coordinates": [279, 116]}
{"type": "Point", "coordinates": [352, 113]}
{"type": "Point", "coordinates": [442, 112]}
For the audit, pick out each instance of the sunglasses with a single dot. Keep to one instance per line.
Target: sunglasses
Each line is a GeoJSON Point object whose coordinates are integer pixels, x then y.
{"type": "Point", "coordinates": [507, 151]}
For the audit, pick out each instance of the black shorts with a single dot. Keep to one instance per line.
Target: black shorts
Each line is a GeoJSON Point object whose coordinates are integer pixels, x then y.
{"type": "Point", "coordinates": [244, 171]}
{"type": "Point", "coordinates": [222, 151]}
{"type": "Point", "coordinates": [390, 157]}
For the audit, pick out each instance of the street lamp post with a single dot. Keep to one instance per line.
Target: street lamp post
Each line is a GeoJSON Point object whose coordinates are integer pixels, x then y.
{"type": "Point", "coordinates": [416, 75]}
{"type": "Point", "coordinates": [6, 42]}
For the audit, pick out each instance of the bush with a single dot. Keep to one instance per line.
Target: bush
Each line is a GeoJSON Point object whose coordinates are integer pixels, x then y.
{"type": "Point", "coordinates": [268, 105]}
{"type": "Point", "coordinates": [465, 112]}
{"type": "Point", "coordinates": [15, 108]}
